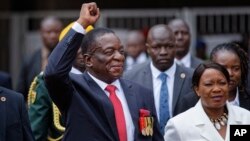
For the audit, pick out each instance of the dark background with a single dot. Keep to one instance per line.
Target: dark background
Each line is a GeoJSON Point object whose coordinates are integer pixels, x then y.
{"type": "Point", "coordinates": [38, 5]}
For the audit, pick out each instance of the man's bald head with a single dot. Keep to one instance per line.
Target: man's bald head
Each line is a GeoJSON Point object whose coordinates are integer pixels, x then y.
{"type": "Point", "coordinates": [135, 43]}
{"type": "Point", "coordinates": [161, 46]}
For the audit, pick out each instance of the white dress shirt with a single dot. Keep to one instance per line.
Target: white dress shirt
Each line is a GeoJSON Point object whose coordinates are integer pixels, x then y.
{"type": "Point", "coordinates": [120, 94]}
{"type": "Point", "coordinates": [157, 86]}
{"type": "Point", "coordinates": [75, 71]}
{"type": "Point", "coordinates": [185, 61]}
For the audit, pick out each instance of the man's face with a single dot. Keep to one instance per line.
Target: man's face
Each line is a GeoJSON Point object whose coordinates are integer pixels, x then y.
{"type": "Point", "coordinates": [182, 37]}
{"type": "Point", "coordinates": [135, 45]}
{"type": "Point", "coordinates": [79, 61]}
{"type": "Point", "coordinates": [50, 31]}
{"type": "Point", "coordinates": [108, 58]}
{"type": "Point", "coordinates": [161, 48]}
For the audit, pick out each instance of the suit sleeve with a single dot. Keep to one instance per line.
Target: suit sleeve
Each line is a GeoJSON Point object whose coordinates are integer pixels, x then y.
{"type": "Point", "coordinates": [57, 71]}
{"type": "Point", "coordinates": [171, 132]}
{"type": "Point", "coordinates": [40, 111]}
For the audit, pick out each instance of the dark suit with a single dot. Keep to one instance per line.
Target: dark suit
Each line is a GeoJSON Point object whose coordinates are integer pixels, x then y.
{"type": "Point", "coordinates": [142, 75]}
{"type": "Point", "coordinates": [14, 121]}
{"type": "Point", "coordinates": [191, 99]}
{"type": "Point", "coordinates": [5, 80]}
{"type": "Point", "coordinates": [29, 70]}
{"type": "Point", "coordinates": [88, 111]}
{"type": "Point", "coordinates": [195, 62]}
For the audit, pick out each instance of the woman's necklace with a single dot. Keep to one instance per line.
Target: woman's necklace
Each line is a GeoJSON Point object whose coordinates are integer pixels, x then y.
{"type": "Point", "coordinates": [221, 121]}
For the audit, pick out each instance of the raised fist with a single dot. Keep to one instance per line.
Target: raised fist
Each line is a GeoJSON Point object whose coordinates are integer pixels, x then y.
{"type": "Point", "coordinates": [89, 14]}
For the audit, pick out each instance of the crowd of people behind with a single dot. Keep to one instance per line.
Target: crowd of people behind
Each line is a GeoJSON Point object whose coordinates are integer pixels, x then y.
{"type": "Point", "coordinates": [84, 84]}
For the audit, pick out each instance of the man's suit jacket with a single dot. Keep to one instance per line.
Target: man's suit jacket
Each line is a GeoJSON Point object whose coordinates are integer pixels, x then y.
{"type": "Point", "coordinates": [191, 99]}
{"type": "Point", "coordinates": [194, 124]}
{"type": "Point", "coordinates": [88, 111]}
{"type": "Point", "coordinates": [5, 80]}
{"type": "Point", "coordinates": [195, 62]}
{"type": "Point", "coordinates": [14, 121]}
{"type": "Point", "coordinates": [142, 75]}
{"type": "Point", "coordinates": [29, 70]}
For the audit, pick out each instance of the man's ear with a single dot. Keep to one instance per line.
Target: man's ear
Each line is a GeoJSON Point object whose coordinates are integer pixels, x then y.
{"type": "Point", "coordinates": [87, 60]}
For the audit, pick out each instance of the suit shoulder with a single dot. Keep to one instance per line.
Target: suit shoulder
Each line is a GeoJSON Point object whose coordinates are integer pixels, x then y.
{"type": "Point", "coordinates": [240, 110]}
{"type": "Point", "coordinates": [188, 71]}
{"type": "Point", "coordinates": [135, 70]}
{"type": "Point", "coordinates": [10, 93]}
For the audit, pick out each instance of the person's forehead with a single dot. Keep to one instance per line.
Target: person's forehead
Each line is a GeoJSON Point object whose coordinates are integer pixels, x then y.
{"type": "Point", "coordinates": [162, 36]}
{"type": "Point", "coordinates": [107, 36]}
{"type": "Point", "coordinates": [108, 39]}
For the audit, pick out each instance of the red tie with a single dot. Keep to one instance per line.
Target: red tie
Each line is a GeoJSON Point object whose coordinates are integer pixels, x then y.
{"type": "Point", "coordinates": [119, 115]}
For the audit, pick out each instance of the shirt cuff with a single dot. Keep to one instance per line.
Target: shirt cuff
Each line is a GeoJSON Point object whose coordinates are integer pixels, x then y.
{"type": "Point", "coordinates": [78, 28]}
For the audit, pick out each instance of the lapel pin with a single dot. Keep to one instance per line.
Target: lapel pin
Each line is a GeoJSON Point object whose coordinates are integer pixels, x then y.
{"type": "Point", "coordinates": [183, 75]}
{"type": "Point", "coordinates": [3, 99]}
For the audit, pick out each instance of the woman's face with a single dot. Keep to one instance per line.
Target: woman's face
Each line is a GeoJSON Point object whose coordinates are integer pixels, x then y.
{"type": "Point", "coordinates": [212, 89]}
{"type": "Point", "coordinates": [231, 62]}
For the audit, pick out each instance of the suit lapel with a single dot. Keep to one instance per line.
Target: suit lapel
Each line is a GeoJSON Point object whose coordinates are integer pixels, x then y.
{"type": "Point", "coordinates": [131, 102]}
{"type": "Point", "coordinates": [3, 115]}
{"type": "Point", "coordinates": [105, 104]}
{"type": "Point", "coordinates": [178, 83]}
{"type": "Point", "coordinates": [202, 122]}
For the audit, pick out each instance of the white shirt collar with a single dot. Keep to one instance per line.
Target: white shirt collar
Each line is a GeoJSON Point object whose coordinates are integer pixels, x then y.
{"type": "Point", "coordinates": [170, 72]}
{"type": "Point", "coordinates": [186, 60]}
{"type": "Point", "coordinates": [75, 71]}
{"type": "Point", "coordinates": [103, 85]}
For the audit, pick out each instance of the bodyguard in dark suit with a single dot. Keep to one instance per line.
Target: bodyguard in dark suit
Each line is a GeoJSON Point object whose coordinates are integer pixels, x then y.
{"type": "Point", "coordinates": [14, 121]}
{"type": "Point", "coordinates": [161, 48]}
{"type": "Point", "coordinates": [5, 80]}
{"type": "Point", "coordinates": [50, 29]}
{"type": "Point", "coordinates": [235, 60]}
{"type": "Point", "coordinates": [94, 112]}
{"type": "Point", "coordinates": [183, 40]}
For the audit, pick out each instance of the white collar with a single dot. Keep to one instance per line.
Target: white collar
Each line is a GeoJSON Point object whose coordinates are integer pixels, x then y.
{"type": "Point", "coordinates": [103, 84]}
{"type": "Point", "coordinates": [170, 72]}
{"type": "Point", "coordinates": [186, 60]}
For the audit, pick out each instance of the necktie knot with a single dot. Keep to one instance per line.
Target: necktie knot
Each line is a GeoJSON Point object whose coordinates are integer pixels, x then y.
{"type": "Point", "coordinates": [163, 77]}
{"type": "Point", "coordinates": [110, 89]}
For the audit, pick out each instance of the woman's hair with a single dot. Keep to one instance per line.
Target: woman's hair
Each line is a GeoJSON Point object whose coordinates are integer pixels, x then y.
{"type": "Point", "coordinates": [237, 50]}
{"type": "Point", "coordinates": [208, 65]}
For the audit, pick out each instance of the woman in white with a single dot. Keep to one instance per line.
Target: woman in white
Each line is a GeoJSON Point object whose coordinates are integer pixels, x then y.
{"type": "Point", "coordinates": [211, 117]}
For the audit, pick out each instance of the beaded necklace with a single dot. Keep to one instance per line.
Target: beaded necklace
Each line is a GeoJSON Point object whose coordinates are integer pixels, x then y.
{"type": "Point", "coordinates": [221, 121]}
